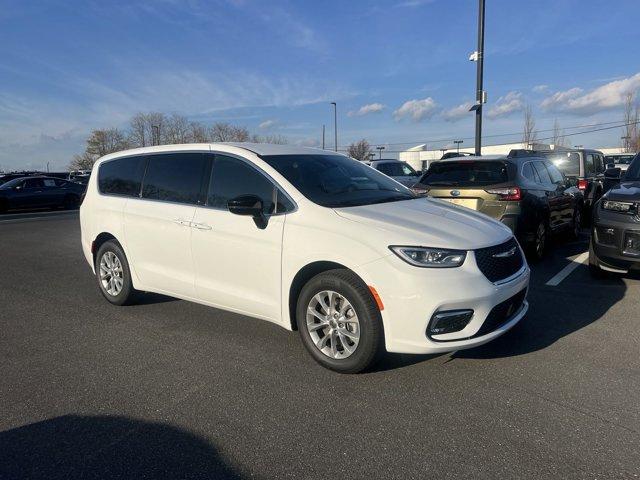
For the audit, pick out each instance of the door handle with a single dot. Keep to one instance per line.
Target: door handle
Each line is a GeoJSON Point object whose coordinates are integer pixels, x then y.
{"type": "Point", "coordinates": [201, 226]}
{"type": "Point", "coordinates": [184, 223]}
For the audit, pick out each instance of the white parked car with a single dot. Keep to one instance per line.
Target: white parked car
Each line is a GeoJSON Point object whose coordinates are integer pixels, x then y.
{"type": "Point", "coordinates": [304, 238]}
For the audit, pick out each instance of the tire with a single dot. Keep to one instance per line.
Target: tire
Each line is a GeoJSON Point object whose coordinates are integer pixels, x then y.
{"type": "Point", "coordinates": [538, 247]}
{"type": "Point", "coordinates": [335, 333]}
{"type": "Point", "coordinates": [70, 202]}
{"type": "Point", "coordinates": [111, 257]}
{"type": "Point", "coordinates": [577, 223]}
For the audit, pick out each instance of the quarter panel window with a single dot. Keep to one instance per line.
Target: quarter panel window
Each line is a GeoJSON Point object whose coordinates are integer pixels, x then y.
{"type": "Point", "coordinates": [175, 177]}
{"type": "Point", "coordinates": [589, 165]}
{"type": "Point", "coordinates": [545, 179]}
{"type": "Point", "coordinates": [556, 176]}
{"type": "Point", "coordinates": [231, 177]}
{"type": "Point", "coordinates": [121, 176]}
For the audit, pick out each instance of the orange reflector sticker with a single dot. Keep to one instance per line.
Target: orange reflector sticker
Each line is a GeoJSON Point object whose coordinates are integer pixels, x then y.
{"type": "Point", "coordinates": [377, 298]}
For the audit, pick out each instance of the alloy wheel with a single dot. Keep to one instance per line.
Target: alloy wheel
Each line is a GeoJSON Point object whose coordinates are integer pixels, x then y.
{"type": "Point", "coordinates": [333, 324]}
{"type": "Point", "coordinates": [541, 239]}
{"type": "Point", "coordinates": [111, 274]}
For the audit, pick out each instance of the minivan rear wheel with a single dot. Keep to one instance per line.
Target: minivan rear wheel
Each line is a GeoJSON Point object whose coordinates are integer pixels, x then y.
{"type": "Point", "coordinates": [113, 274]}
{"type": "Point", "coordinates": [339, 322]}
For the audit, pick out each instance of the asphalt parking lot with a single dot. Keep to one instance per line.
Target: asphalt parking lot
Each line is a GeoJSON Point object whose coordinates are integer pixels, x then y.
{"type": "Point", "coordinates": [169, 389]}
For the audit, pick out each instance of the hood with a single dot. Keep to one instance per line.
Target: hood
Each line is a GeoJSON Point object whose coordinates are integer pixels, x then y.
{"type": "Point", "coordinates": [625, 192]}
{"type": "Point", "coordinates": [430, 222]}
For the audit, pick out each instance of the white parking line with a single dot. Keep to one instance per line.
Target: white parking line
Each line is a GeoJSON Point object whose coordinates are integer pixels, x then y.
{"type": "Point", "coordinates": [566, 271]}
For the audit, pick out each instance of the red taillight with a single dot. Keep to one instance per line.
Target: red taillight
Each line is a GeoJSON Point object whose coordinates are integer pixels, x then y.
{"type": "Point", "coordinates": [509, 194]}
{"type": "Point", "coordinates": [582, 184]}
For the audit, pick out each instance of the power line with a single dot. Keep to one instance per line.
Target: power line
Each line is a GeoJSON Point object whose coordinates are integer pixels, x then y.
{"type": "Point", "coordinates": [498, 135]}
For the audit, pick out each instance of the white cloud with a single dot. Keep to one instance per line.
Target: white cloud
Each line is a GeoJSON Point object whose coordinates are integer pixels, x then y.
{"type": "Point", "coordinates": [366, 110]}
{"type": "Point", "coordinates": [608, 96]}
{"type": "Point", "coordinates": [416, 110]}
{"type": "Point", "coordinates": [413, 3]}
{"type": "Point", "coordinates": [510, 103]}
{"type": "Point", "coordinates": [457, 113]}
{"type": "Point", "coordinates": [267, 124]}
{"type": "Point", "coordinates": [540, 88]}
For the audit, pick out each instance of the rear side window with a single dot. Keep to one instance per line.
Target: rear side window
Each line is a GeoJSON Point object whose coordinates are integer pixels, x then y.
{"type": "Point", "coordinates": [568, 164]}
{"type": "Point", "coordinates": [465, 173]}
{"type": "Point", "coordinates": [529, 173]}
{"type": "Point", "coordinates": [121, 176]}
{"type": "Point", "coordinates": [556, 176]}
{"type": "Point", "coordinates": [49, 182]}
{"type": "Point", "coordinates": [231, 177]}
{"type": "Point", "coordinates": [175, 177]}
{"type": "Point", "coordinates": [539, 167]}
{"type": "Point", "coordinates": [589, 165]}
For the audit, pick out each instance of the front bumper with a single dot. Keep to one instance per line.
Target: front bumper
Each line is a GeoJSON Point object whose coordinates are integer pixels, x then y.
{"type": "Point", "coordinates": [609, 236]}
{"type": "Point", "coordinates": [412, 295]}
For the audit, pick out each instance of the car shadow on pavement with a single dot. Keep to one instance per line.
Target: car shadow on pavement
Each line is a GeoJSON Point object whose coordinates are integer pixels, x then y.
{"type": "Point", "coordinates": [148, 298]}
{"type": "Point", "coordinates": [74, 447]}
{"type": "Point", "coordinates": [553, 314]}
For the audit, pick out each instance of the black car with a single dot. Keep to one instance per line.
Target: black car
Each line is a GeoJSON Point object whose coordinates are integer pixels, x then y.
{"type": "Point", "coordinates": [4, 178]}
{"type": "Point", "coordinates": [39, 192]}
{"type": "Point", "coordinates": [615, 236]}
{"type": "Point", "coordinates": [526, 193]}
{"type": "Point", "coordinates": [586, 169]}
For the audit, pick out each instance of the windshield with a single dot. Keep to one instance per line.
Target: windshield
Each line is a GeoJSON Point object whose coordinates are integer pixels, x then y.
{"type": "Point", "coordinates": [619, 159]}
{"type": "Point", "coordinates": [465, 173]}
{"type": "Point", "coordinates": [633, 173]}
{"type": "Point", "coordinates": [568, 164]}
{"type": "Point", "coordinates": [11, 183]}
{"type": "Point", "coordinates": [336, 181]}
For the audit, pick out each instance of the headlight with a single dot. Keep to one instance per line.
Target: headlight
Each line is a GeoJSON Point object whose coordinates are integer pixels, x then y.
{"type": "Point", "coordinates": [430, 257]}
{"type": "Point", "coordinates": [617, 206]}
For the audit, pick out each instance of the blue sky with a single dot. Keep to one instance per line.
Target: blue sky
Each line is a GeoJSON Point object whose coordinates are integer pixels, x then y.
{"type": "Point", "coordinates": [398, 69]}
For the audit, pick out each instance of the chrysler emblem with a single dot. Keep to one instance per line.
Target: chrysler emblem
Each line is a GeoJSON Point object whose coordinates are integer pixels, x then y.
{"type": "Point", "coordinates": [508, 253]}
{"type": "Point", "coordinates": [455, 193]}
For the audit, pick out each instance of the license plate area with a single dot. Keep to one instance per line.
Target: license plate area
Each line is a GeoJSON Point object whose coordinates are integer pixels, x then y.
{"type": "Point", "coordinates": [464, 202]}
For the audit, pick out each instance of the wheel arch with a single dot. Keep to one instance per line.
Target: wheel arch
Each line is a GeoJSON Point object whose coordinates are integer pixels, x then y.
{"type": "Point", "coordinates": [301, 278]}
{"type": "Point", "coordinates": [100, 240]}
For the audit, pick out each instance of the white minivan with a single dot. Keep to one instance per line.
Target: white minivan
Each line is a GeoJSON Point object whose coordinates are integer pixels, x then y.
{"type": "Point", "coordinates": [304, 238]}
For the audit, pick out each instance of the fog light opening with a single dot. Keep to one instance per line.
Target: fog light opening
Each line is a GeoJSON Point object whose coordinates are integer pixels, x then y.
{"type": "Point", "coordinates": [449, 321]}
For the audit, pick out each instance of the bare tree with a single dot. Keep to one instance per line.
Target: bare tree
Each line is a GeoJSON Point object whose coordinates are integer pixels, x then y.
{"type": "Point", "coordinates": [83, 161]}
{"type": "Point", "coordinates": [359, 150]}
{"type": "Point", "coordinates": [198, 133]}
{"type": "Point", "coordinates": [147, 129]}
{"type": "Point", "coordinates": [103, 142]}
{"type": "Point", "coordinates": [558, 138]}
{"type": "Point", "coordinates": [177, 130]}
{"type": "Point", "coordinates": [225, 132]}
{"type": "Point", "coordinates": [529, 133]}
{"type": "Point", "coordinates": [630, 131]}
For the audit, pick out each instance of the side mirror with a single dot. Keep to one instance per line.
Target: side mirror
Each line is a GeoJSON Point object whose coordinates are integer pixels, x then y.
{"type": "Point", "coordinates": [249, 206]}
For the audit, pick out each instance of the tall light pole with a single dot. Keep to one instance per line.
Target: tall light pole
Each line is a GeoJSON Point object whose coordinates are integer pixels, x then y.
{"type": "Point", "coordinates": [335, 124]}
{"type": "Point", "coordinates": [625, 143]}
{"type": "Point", "coordinates": [156, 134]}
{"type": "Point", "coordinates": [380, 152]}
{"type": "Point", "coordinates": [458, 142]}
{"type": "Point", "coordinates": [323, 136]}
{"type": "Point", "coordinates": [481, 95]}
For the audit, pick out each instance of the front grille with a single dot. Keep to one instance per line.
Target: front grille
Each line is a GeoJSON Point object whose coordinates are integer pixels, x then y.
{"type": "Point", "coordinates": [502, 313]}
{"type": "Point", "coordinates": [498, 263]}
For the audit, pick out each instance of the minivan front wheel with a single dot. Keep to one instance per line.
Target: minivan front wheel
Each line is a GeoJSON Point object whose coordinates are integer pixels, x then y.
{"type": "Point", "coordinates": [113, 274]}
{"type": "Point", "coordinates": [339, 321]}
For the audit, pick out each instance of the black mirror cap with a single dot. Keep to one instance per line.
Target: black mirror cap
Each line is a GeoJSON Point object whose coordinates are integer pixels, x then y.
{"type": "Point", "coordinates": [250, 206]}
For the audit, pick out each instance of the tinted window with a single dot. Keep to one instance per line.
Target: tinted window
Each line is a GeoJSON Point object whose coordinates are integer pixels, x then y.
{"type": "Point", "coordinates": [568, 164]}
{"type": "Point", "coordinates": [337, 181]}
{"type": "Point", "coordinates": [49, 182]}
{"type": "Point", "coordinates": [465, 173]}
{"type": "Point", "coordinates": [529, 173]}
{"type": "Point", "coordinates": [539, 167]}
{"type": "Point", "coordinates": [231, 177]}
{"type": "Point", "coordinates": [121, 176]}
{"type": "Point", "coordinates": [33, 183]}
{"type": "Point", "coordinates": [589, 165]}
{"type": "Point", "coordinates": [634, 169]}
{"type": "Point", "coordinates": [556, 176]}
{"type": "Point", "coordinates": [397, 169]}
{"type": "Point", "coordinates": [175, 177]}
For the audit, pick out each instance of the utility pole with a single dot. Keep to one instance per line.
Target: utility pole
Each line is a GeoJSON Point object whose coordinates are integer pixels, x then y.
{"type": "Point", "coordinates": [380, 152]}
{"type": "Point", "coordinates": [625, 143]}
{"type": "Point", "coordinates": [481, 95]}
{"type": "Point", "coordinates": [155, 140]}
{"type": "Point", "coordinates": [323, 136]}
{"type": "Point", "coordinates": [335, 124]}
{"type": "Point", "coordinates": [458, 142]}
